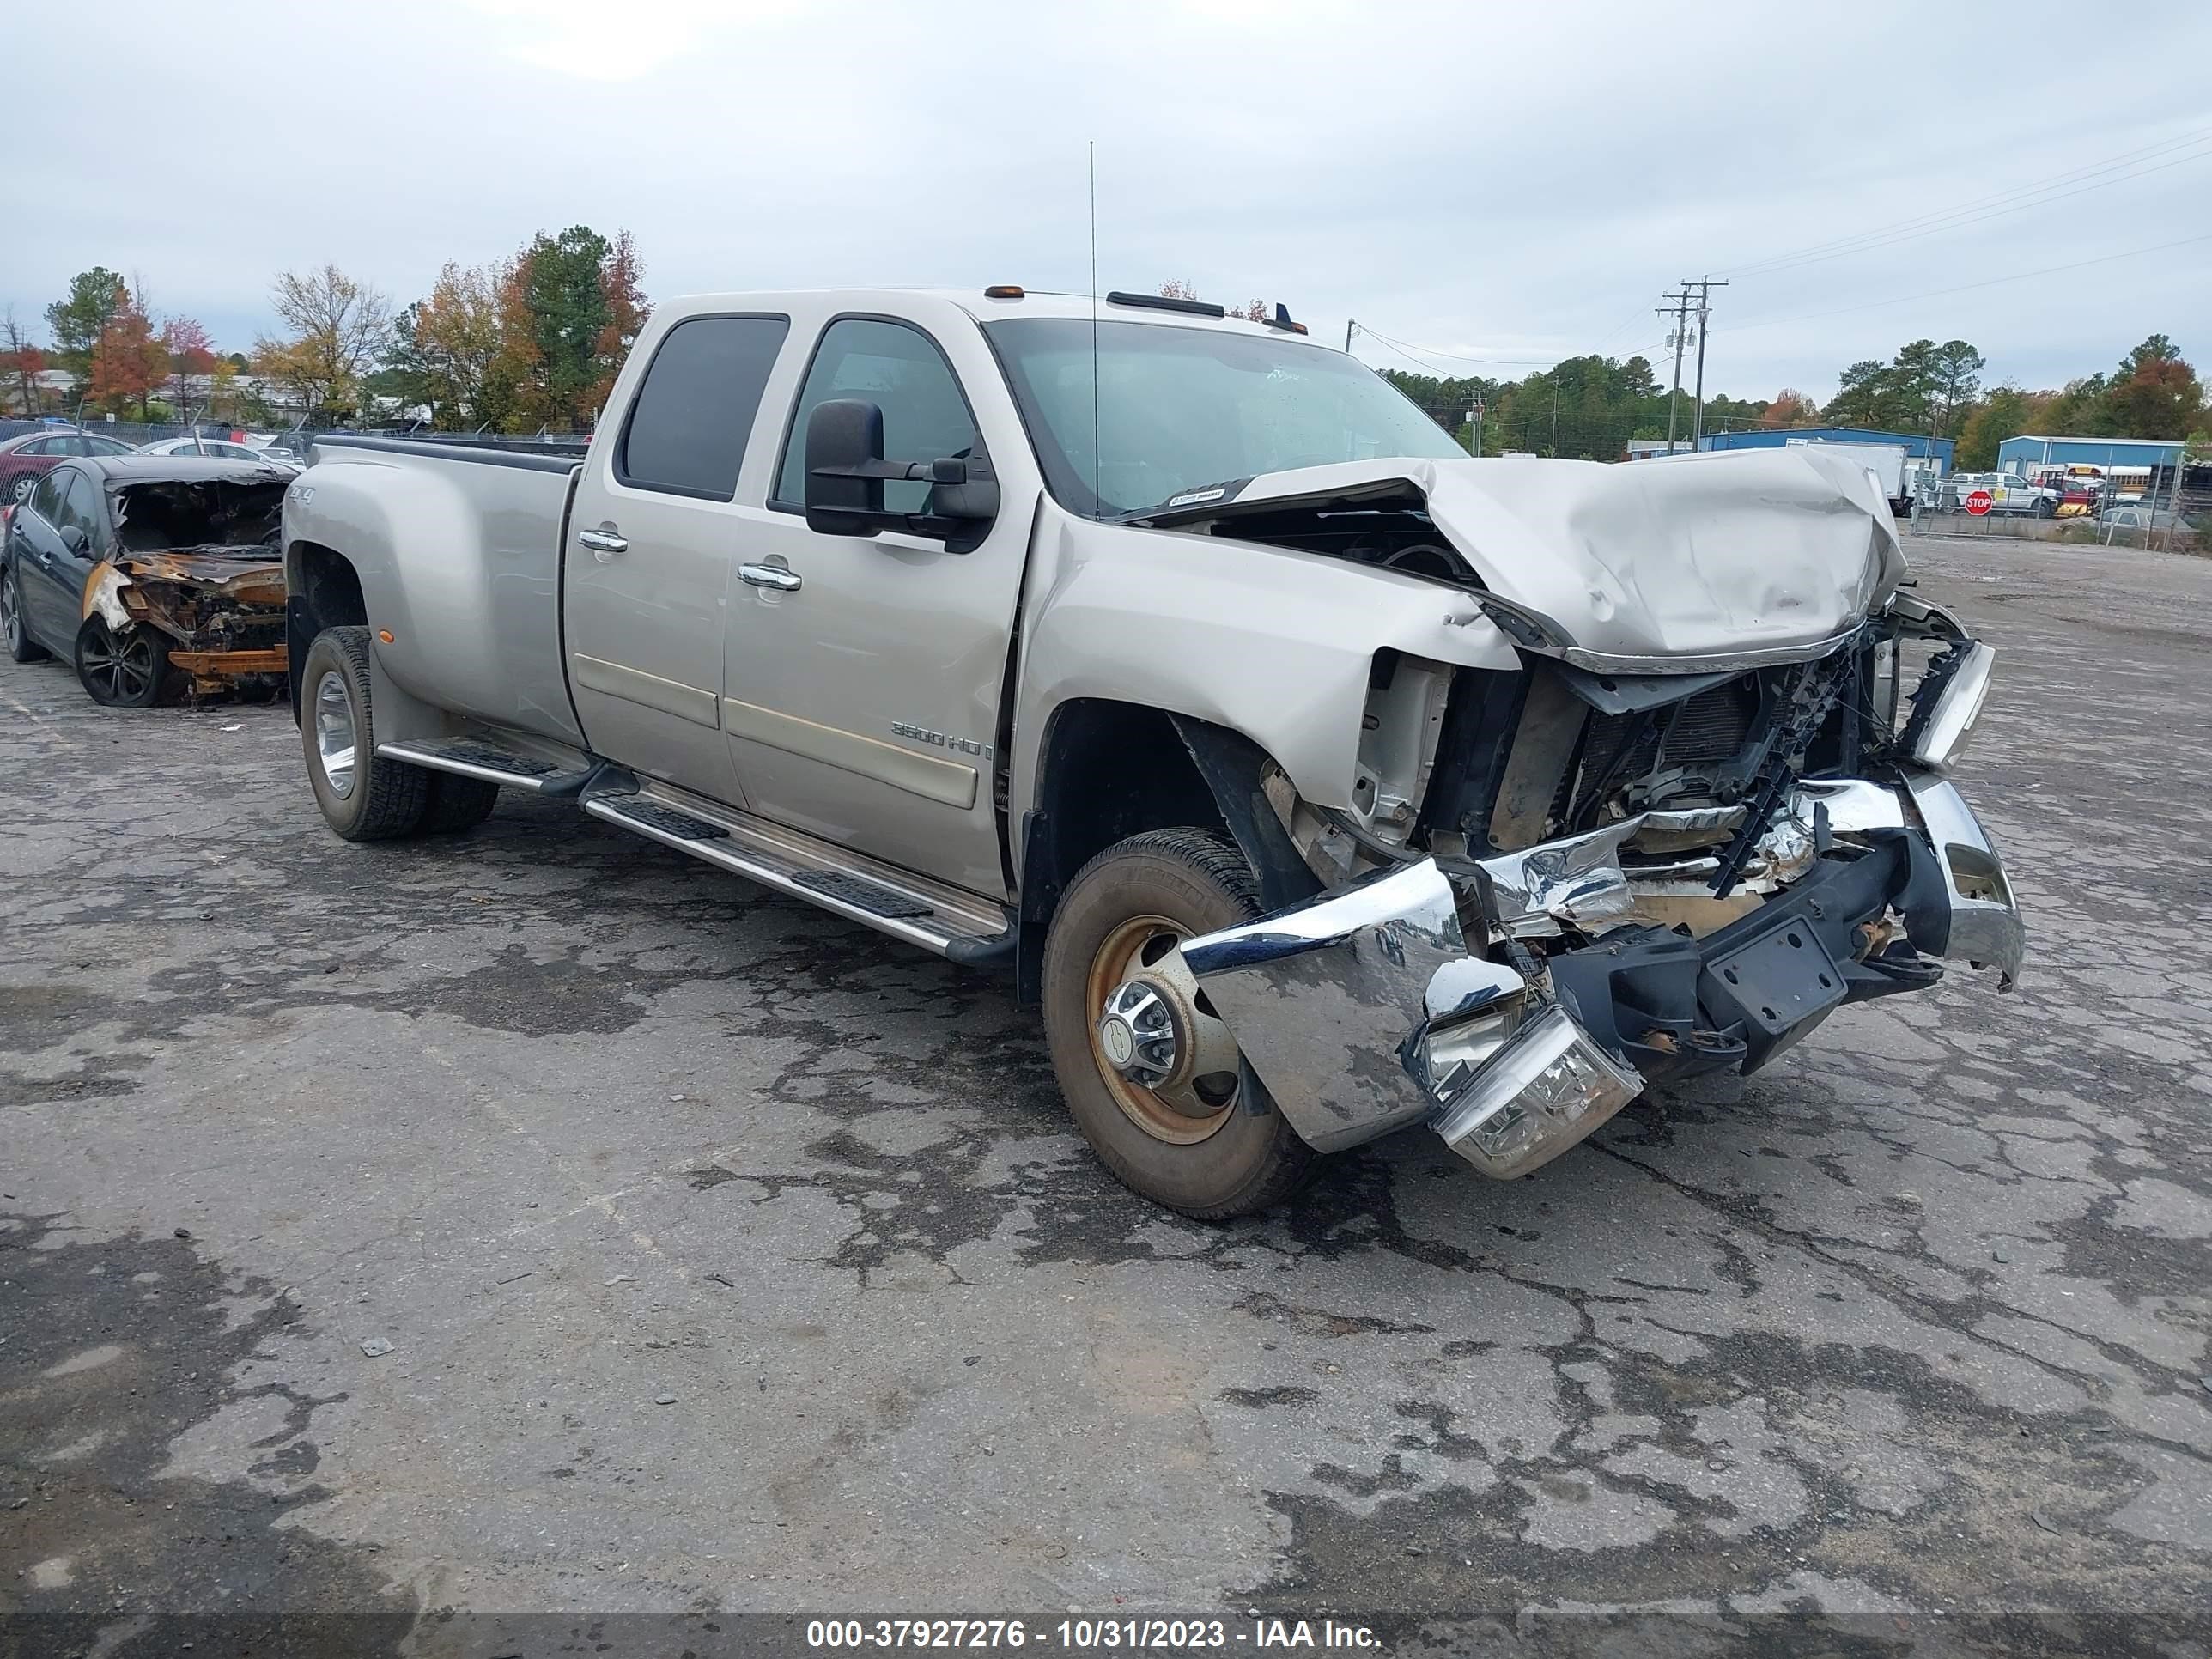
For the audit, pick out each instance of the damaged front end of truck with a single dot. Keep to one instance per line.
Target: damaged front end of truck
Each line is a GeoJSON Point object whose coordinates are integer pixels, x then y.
{"type": "Point", "coordinates": [1712, 806]}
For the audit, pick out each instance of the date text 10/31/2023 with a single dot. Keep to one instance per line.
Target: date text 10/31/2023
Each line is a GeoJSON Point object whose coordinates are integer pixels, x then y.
{"type": "Point", "coordinates": [1089, 1635]}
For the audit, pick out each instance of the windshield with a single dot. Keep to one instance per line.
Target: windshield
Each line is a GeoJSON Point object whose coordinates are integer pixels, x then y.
{"type": "Point", "coordinates": [1180, 409]}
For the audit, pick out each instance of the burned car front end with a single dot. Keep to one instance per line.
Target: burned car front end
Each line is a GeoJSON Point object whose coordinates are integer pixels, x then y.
{"type": "Point", "coordinates": [1641, 856]}
{"type": "Point", "coordinates": [195, 561]}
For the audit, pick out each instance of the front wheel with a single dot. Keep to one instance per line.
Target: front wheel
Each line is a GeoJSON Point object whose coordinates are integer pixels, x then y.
{"type": "Point", "coordinates": [363, 796]}
{"type": "Point", "coordinates": [121, 670]}
{"type": "Point", "coordinates": [1187, 1125]}
{"type": "Point", "coordinates": [20, 488]}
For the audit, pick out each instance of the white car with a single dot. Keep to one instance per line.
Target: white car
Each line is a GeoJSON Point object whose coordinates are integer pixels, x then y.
{"type": "Point", "coordinates": [2008, 493]}
{"type": "Point", "coordinates": [221, 449]}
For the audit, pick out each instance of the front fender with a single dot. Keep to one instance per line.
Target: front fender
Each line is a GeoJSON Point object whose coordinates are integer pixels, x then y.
{"type": "Point", "coordinates": [1271, 642]}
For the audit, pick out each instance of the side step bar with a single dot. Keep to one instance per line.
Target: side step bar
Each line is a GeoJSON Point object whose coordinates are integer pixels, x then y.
{"type": "Point", "coordinates": [493, 764]}
{"type": "Point", "coordinates": [938, 918]}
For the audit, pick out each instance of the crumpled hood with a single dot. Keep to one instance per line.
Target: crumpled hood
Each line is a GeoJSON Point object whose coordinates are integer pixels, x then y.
{"type": "Point", "coordinates": [1710, 555]}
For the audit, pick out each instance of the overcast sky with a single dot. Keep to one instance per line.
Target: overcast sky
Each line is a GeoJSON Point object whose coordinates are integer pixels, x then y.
{"type": "Point", "coordinates": [1499, 182]}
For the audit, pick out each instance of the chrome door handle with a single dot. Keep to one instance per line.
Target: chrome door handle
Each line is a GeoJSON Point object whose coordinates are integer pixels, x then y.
{"type": "Point", "coordinates": [604, 543]}
{"type": "Point", "coordinates": [782, 577]}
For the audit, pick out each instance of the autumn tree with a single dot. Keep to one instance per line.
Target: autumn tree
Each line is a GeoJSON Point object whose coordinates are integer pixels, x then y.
{"type": "Point", "coordinates": [570, 308]}
{"type": "Point", "coordinates": [21, 361]}
{"type": "Point", "coordinates": [190, 357]}
{"type": "Point", "coordinates": [1790, 407]}
{"type": "Point", "coordinates": [2154, 394]}
{"type": "Point", "coordinates": [337, 326]}
{"type": "Point", "coordinates": [449, 353]}
{"type": "Point", "coordinates": [78, 321]}
{"type": "Point", "coordinates": [621, 278]}
{"type": "Point", "coordinates": [128, 359]}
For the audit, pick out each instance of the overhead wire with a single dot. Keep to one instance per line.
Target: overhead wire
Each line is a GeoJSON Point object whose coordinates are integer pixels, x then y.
{"type": "Point", "coordinates": [1958, 214]}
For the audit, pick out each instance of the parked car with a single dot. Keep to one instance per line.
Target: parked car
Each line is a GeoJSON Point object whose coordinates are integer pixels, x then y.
{"type": "Point", "coordinates": [1317, 780]}
{"type": "Point", "coordinates": [148, 573]}
{"type": "Point", "coordinates": [219, 448]}
{"type": "Point", "coordinates": [2009, 493]}
{"type": "Point", "coordinates": [24, 457]}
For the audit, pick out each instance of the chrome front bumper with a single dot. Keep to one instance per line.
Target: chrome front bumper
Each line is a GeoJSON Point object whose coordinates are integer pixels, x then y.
{"type": "Point", "coordinates": [1365, 1012]}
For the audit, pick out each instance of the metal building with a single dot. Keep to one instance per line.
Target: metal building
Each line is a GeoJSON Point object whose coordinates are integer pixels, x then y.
{"type": "Point", "coordinates": [1917, 445]}
{"type": "Point", "coordinates": [2018, 454]}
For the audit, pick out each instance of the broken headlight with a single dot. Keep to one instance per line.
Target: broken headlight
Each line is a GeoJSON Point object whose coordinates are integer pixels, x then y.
{"type": "Point", "coordinates": [1947, 704]}
{"type": "Point", "coordinates": [1550, 1085]}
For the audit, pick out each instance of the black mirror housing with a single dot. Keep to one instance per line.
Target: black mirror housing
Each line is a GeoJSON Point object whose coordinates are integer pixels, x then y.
{"type": "Point", "coordinates": [74, 538]}
{"type": "Point", "coordinates": [846, 473]}
{"type": "Point", "coordinates": [844, 439]}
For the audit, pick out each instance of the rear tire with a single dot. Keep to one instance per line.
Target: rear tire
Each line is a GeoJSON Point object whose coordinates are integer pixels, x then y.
{"type": "Point", "coordinates": [21, 647]}
{"type": "Point", "coordinates": [1165, 883]}
{"type": "Point", "coordinates": [456, 803]}
{"type": "Point", "coordinates": [363, 796]}
{"type": "Point", "coordinates": [121, 672]}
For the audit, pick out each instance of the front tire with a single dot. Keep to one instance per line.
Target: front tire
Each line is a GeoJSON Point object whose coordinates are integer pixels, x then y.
{"type": "Point", "coordinates": [363, 796]}
{"type": "Point", "coordinates": [121, 670]}
{"type": "Point", "coordinates": [21, 647]}
{"type": "Point", "coordinates": [19, 490]}
{"type": "Point", "coordinates": [1211, 1147]}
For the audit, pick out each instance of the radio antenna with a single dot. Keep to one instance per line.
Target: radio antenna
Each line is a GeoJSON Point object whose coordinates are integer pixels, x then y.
{"type": "Point", "coordinates": [1097, 495]}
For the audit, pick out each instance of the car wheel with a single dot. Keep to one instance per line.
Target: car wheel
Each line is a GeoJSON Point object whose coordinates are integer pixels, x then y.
{"type": "Point", "coordinates": [21, 647]}
{"type": "Point", "coordinates": [363, 797]}
{"type": "Point", "coordinates": [121, 670]}
{"type": "Point", "coordinates": [2044, 509]}
{"type": "Point", "coordinates": [1202, 1138]}
{"type": "Point", "coordinates": [20, 486]}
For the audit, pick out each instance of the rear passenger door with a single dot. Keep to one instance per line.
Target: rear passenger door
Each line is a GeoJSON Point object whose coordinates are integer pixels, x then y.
{"type": "Point", "coordinates": [651, 537]}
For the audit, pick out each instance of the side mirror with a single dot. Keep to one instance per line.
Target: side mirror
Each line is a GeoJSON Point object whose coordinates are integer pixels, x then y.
{"type": "Point", "coordinates": [844, 468]}
{"type": "Point", "coordinates": [74, 538]}
{"type": "Point", "coordinates": [846, 473]}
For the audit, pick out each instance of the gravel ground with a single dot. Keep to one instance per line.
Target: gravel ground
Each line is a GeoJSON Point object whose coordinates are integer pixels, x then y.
{"type": "Point", "coordinates": [540, 1221]}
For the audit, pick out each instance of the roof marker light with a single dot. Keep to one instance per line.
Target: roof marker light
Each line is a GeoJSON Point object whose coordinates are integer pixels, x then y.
{"type": "Point", "coordinates": [1004, 291]}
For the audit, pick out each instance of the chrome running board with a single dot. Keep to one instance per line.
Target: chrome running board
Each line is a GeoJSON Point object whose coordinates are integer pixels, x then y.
{"type": "Point", "coordinates": [938, 918]}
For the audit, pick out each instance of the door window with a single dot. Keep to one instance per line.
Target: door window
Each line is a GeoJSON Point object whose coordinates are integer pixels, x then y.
{"type": "Point", "coordinates": [687, 427]}
{"type": "Point", "coordinates": [106, 446]}
{"type": "Point", "coordinates": [80, 506]}
{"type": "Point", "coordinates": [901, 370]}
{"type": "Point", "coordinates": [47, 496]}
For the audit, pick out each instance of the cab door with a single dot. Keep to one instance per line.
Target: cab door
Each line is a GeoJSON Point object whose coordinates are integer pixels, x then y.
{"type": "Point", "coordinates": [652, 537]}
{"type": "Point", "coordinates": [863, 675]}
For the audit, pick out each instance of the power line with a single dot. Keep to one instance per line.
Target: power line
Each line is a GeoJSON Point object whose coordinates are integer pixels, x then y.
{"type": "Point", "coordinates": [1461, 357]}
{"type": "Point", "coordinates": [1936, 292]}
{"type": "Point", "coordinates": [1939, 220]}
{"type": "Point", "coordinates": [1961, 221]}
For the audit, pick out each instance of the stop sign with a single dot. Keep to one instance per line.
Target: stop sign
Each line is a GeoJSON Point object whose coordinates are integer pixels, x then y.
{"type": "Point", "coordinates": [1979, 502]}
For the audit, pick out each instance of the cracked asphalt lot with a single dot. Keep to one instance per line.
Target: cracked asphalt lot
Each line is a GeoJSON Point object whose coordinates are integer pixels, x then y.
{"type": "Point", "coordinates": [731, 1259]}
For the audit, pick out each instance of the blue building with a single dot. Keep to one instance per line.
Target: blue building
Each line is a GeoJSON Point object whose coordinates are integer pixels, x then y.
{"type": "Point", "coordinates": [2018, 454]}
{"type": "Point", "coordinates": [1917, 445]}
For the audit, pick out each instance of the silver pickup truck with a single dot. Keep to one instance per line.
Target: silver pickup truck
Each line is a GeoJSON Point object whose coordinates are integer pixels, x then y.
{"type": "Point", "coordinates": [1318, 780]}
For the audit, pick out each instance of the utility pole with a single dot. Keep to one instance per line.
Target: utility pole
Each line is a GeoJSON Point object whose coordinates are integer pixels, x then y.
{"type": "Point", "coordinates": [1475, 414]}
{"type": "Point", "coordinates": [1678, 337]}
{"type": "Point", "coordinates": [1705, 287]}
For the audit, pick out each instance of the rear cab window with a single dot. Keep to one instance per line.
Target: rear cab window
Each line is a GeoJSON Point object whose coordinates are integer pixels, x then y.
{"type": "Point", "coordinates": [687, 427]}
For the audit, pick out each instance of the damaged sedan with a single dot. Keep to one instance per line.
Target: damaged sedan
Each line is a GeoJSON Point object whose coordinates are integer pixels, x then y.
{"type": "Point", "coordinates": [153, 576]}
